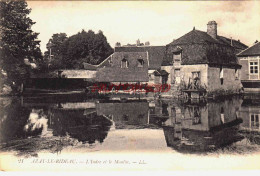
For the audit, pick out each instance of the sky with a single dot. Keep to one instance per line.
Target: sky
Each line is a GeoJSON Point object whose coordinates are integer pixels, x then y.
{"type": "Point", "coordinates": [158, 22]}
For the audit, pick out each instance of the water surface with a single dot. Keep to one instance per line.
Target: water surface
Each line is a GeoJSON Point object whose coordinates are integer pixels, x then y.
{"type": "Point", "coordinates": [75, 123]}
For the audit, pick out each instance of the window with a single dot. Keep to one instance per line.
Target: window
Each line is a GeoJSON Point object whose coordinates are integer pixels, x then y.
{"type": "Point", "coordinates": [125, 117]}
{"type": "Point", "coordinates": [165, 109]}
{"type": "Point", "coordinates": [236, 74]}
{"type": "Point", "coordinates": [124, 63]}
{"type": "Point", "coordinates": [177, 77]}
{"type": "Point", "coordinates": [141, 116]}
{"type": "Point", "coordinates": [140, 63]}
{"type": "Point", "coordinates": [253, 67]}
{"type": "Point", "coordinates": [196, 80]}
{"type": "Point", "coordinates": [221, 75]}
{"type": "Point", "coordinates": [196, 116]}
{"type": "Point", "coordinates": [110, 62]}
{"type": "Point", "coordinates": [222, 115]}
{"type": "Point", "coordinates": [151, 76]}
{"type": "Point", "coordinates": [254, 121]}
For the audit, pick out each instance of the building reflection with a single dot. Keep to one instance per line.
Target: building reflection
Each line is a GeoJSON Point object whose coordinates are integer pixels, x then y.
{"type": "Point", "coordinates": [201, 127]}
{"type": "Point", "coordinates": [82, 124]}
{"type": "Point", "coordinates": [250, 113]}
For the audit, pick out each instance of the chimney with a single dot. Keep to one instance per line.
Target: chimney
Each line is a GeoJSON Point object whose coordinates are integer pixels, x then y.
{"type": "Point", "coordinates": [138, 43]}
{"type": "Point", "coordinates": [212, 29]}
{"type": "Point", "coordinates": [117, 44]}
{"type": "Point", "coordinates": [147, 43]}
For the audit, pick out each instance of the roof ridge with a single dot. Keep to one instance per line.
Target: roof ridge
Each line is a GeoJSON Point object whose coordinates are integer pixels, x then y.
{"type": "Point", "coordinates": [248, 48]}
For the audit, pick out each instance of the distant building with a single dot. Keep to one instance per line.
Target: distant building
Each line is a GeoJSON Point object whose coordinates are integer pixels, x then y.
{"type": "Point", "coordinates": [61, 79]}
{"type": "Point", "coordinates": [250, 72]}
{"type": "Point", "coordinates": [204, 60]}
{"type": "Point", "coordinates": [131, 64]}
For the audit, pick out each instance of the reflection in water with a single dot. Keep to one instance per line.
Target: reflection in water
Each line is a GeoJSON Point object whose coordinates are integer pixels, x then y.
{"type": "Point", "coordinates": [189, 141]}
{"type": "Point", "coordinates": [201, 128]}
{"type": "Point", "coordinates": [37, 122]}
{"type": "Point", "coordinates": [33, 124]}
{"type": "Point", "coordinates": [84, 125]}
{"type": "Point", "coordinates": [250, 113]}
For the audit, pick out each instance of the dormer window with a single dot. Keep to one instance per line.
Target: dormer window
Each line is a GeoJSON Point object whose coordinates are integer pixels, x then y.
{"type": "Point", "coordinates": [140, 63]}
{"type": "Point", "coordinates": [177, 57]}
{"type": "Point", "coordinates": [124, 63]}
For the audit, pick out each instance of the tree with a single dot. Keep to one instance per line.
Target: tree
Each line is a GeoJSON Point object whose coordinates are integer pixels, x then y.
{"type": "Point", "coordinates": [56, 47]}
{"type": "Point", "coordinates": [70, 53]}
{"type": "Point", "coordinates": [17, 41]}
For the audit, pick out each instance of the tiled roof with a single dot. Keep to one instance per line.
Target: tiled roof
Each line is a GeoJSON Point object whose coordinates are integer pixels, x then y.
{"type": "Point", "coordinates": [155, 56]}
{"type": "Point", "coordinates": [200, 48]}
{"type": "Point", "coordinates": [88, 66]}
{"type": "Point", "coordinates": [235, 43]}
{"type": "Point", "coordinates": [160, 72]}
{"type": "Point", "coordinates": [251, 51]}
{"type": "Point", "coordinates": [155, 53]}
{"type": "Point", "coordinates": [115, 74]}
{"type": "Point", "coordinates": [196, 36]}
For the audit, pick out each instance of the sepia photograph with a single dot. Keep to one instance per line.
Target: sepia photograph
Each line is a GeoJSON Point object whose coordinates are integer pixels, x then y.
{"type": "Point", "coordinates": [129, 85]}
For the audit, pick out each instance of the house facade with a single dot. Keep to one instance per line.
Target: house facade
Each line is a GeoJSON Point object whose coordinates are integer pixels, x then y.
{"type": "Point", "coordinates": [204, 61]}
{"type": "Point", "coordinates": [250, 72]}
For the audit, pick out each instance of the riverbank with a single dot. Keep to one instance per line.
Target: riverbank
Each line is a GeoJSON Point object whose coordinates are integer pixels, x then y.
{"type": "Point", "coordinates": [208, 96]}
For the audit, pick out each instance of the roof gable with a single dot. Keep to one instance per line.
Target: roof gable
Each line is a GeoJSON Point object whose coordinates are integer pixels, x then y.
{"type": "Point", "coordinates": [251, 51]}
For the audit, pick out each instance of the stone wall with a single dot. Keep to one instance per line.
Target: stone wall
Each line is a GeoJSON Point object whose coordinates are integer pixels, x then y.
{"type": "Point", "coordinates": [230, 82]}
{"type": "Point", "coordinates": [186, 72]}
{"type": "Point", "coordinates": [210, 78]}
{"type": "Point", "coordinates": [244, 70]}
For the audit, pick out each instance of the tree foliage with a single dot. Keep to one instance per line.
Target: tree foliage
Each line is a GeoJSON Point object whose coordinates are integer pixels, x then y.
{"type": "Point", "coordinates": [56, 50]}
{"type": "Point", "coordinates": [17, 41]}
{"type": "Point", "coordinates": [71, 52]}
